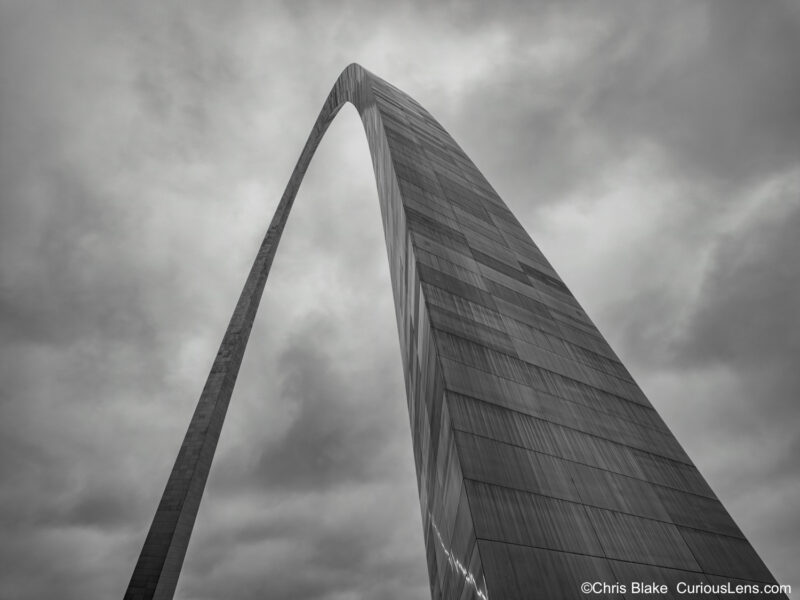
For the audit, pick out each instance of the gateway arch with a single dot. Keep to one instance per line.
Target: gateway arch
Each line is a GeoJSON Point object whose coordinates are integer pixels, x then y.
{"type": "Point", "coordinates": [540, 463]}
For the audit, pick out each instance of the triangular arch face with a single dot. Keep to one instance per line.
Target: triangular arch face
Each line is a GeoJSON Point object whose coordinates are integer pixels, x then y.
{"type": "Point", "coordinates": [540, 463]}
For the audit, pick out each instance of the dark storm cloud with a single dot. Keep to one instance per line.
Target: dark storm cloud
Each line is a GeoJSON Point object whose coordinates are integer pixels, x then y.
{"type": "Point", "coordinates": [650, 148]}
{"type": "Point", "coordinates": [712, 87]}
{"type": "Point", "coordinates": [750, 293]}
{"type": "Point", "coordinates": [325, 443]}
{"type": "Point", "coordinates": [743, 322]}
{"type": "Point", "coordinates": [724, 103]}
{"type": "Point", "coordinates": [86, 365]}
{"type": "Point", "coordinates": [746, 303]}
{"type": "Point", "coordinates": [78, 270]}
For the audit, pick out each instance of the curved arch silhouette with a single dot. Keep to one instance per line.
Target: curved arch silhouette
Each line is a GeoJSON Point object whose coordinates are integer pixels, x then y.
{"type": "Point", "coordinates": [540, 463]}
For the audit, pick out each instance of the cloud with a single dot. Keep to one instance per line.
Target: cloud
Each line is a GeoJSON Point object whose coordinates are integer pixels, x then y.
{"type": "Point", "coordinates": [713, 90]}
{"type": "Point", "coordinates": [750, 290]}
{"type": "Point", "coordinates": [330, 440]}
{"type": "Point", "coordinates": [651, 151]}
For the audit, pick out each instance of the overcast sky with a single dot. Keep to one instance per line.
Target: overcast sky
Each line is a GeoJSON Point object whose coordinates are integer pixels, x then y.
{"type": "Point", "coordinates": [651, 149]}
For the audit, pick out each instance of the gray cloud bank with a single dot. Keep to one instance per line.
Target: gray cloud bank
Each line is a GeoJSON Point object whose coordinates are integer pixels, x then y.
{"type": "Point", "coordinates": [650, 148]}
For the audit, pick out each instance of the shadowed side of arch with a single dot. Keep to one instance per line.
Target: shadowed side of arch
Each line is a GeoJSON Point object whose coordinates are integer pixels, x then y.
{"type": "Point", "coordinates": [540, 463]}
